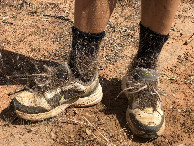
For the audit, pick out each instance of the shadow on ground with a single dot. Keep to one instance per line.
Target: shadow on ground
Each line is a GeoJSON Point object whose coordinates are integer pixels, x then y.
{"type": "Point", "coordinates": [17, 69]}
{"type": "Point", "coordinates": [117, 105]}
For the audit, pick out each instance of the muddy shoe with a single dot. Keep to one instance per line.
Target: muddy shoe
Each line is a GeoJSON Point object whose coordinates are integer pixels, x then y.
{"type": "Point", "coordinates": [144, 114]}
{"type": "Point", "coordinates": [33, 105]}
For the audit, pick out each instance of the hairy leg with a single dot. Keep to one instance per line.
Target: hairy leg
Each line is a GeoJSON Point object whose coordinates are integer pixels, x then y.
{"type": "Point", "coordinates": [158, 15]}
{"type": "Point", "coordinates": [92, 15]}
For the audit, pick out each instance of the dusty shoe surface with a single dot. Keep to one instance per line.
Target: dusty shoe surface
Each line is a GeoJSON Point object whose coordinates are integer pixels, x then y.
{"type": "Point", "coordinates": [144, 114]}
{"type": "Point", "coordinates": [33, 105]}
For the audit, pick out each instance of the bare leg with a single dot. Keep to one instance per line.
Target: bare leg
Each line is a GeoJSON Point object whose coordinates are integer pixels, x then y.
{"type": "Point", "coordinates": [92, 15]}
{"type": "Point", "coordinates": [158, 15]}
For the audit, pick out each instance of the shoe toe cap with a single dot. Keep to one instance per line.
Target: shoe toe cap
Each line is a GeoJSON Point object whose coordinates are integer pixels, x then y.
{"type": "Point", "coordinates": [146, 123]}
{"type": "Point", "coordinates": [27, 103]}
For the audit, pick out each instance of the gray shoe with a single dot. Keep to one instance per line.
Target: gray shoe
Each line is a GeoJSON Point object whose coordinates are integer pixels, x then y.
{"type": "Point", "coordinates": [144, 114]}
{"type": "Point", "coordinates": [33, 105]}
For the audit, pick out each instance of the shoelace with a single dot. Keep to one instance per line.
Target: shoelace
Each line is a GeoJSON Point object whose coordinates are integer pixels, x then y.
{"type": "Point", "coordinates": [149, 100]}
{"type": "Point", "coordinates": [132, 92]}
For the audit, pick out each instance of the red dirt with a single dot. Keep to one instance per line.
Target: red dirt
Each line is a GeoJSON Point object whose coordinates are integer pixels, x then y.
{"type": "Point", "coordinates": [42, 29]}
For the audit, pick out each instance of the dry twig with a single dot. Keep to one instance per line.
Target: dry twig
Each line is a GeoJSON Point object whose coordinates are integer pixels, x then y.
{"type": "Point", "coordinates": [97, 130]}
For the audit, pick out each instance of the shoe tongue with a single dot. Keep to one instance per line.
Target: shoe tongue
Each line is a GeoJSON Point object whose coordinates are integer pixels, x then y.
{"type": "Point", "coordinates": [145, 75]}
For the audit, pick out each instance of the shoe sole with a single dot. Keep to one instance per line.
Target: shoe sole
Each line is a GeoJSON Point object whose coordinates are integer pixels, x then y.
{"type": "Point", "coordinates": [90, 100]}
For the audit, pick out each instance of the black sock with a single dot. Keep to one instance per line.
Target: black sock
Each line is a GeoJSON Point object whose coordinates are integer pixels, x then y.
{"type": "Point", "coordinates": [83, 57]}
{"type": "Point", "coordinates": [150, 46]}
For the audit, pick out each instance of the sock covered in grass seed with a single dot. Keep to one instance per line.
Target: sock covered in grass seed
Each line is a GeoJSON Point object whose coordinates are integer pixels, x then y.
{"type": "Point", "coordinates": [150, 46]}
{"type": "Point", "coordinates": [84, 53]}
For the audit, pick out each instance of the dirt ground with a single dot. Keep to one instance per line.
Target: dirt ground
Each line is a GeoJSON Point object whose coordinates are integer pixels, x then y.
{"type": "Point", "coordinates": [41, 29]}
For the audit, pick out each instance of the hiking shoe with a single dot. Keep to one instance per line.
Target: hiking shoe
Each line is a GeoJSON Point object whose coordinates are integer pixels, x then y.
{"type": "Point", "coordinates": [144, 114]}
{"type": "Point", "coordinates": [35, 106]}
